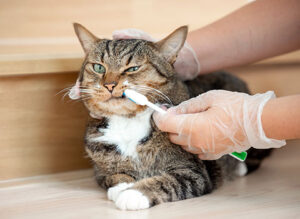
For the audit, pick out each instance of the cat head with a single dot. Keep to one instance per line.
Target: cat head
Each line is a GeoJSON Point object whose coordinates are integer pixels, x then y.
{"type": "Point", "coordinates": [111, 66]}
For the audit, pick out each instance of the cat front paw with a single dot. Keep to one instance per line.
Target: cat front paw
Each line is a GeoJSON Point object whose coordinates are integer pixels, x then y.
{"type": "Point", "coordinates": [113, 192]}
{"type": "Point", "coordinates": [132, 199]}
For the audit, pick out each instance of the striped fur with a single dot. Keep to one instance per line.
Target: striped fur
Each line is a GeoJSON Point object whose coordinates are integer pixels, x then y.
{"type": "Point", "coordinates": [160, 171]}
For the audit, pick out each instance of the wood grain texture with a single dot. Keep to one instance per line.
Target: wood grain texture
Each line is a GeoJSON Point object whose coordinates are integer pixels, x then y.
{"type": "Point", "coordinates": [37, 30]}
{"type": "Point", "coordinates": [21, 20]}
{"type": "Point", "coordinates": [14, 65]}
{"type": "Point", "coordinates": [271, 192]}
{"type": "Point", "coordinates": [39, 132]}
{"type": "Point", "coordinates": [39, 40]}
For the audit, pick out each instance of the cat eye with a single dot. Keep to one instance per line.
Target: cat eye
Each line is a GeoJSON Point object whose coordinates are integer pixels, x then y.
{"type": "Point", "coordinates": [132, 69]}
{"type": "Point", "coordinates": [99, 68]}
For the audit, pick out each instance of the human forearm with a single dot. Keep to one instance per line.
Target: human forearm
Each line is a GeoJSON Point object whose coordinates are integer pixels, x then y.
{"type": "Point", "coordinates": [281, 118]}
{"type": "Point", "coordinates": [259, 30]}
{"type": "Point", "coordinates": [219, 122]}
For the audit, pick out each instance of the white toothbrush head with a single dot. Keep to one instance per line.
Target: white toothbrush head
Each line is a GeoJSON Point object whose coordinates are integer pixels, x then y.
{"type": "Point", "coordinates": [136, 97]}
{"type": "Point", "coordinates": [140, 99]}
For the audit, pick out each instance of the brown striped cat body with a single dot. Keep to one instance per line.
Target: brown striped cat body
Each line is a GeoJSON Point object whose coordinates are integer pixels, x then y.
{"type": "Point", "coordinates": [133, 160]}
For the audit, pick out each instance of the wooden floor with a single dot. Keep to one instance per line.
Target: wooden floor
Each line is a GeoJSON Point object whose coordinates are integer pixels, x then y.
{"type": "Point", "coordinates": [271, 192]}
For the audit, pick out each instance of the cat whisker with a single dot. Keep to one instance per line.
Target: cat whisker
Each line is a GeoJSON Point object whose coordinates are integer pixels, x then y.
{"type": "Point", "coordinates": [64, 96]}
{"type": "Point", "coordinates": [148, 92]}
{"type": "Point", "coordinates": [153, 91]}
{"type": "Point", "coordinates": [152, 96]}
{"type": "Point", "coordinates": [158, 91]}
{"type": "Point", "coordinates": [68, 89]}
{"type": "Point", "coordinates": [161, 93]}
{"type": "Point", "coordinates": [82, 98]}
{"type": "Point", "coordinates": [64, 90]}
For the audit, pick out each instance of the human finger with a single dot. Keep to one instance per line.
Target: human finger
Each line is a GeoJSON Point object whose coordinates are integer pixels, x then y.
{"type": "Point", "coordinates": [180, 124]}
{"type": "Point", "coordinates": [194, 105]}
{"type": "Point", "coordinates": [184, 143]}
{"type": "Point", "coordinates": [210, 156]}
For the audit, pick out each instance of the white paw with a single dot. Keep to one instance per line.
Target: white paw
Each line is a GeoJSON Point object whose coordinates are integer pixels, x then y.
{"type": "Point", "coordinates": [113, 192]}
{"type": "Point", "coordinates": [132, 200]}
{"type": "Point", "coordinates": [241, 169]}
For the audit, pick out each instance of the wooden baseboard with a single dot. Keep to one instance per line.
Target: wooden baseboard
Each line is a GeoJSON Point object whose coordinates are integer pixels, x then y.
{"type": "Point", "coordinates": [39, 132]}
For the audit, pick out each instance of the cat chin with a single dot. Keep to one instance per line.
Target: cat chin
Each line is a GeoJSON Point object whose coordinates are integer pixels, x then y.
{"type": "Point", "coordinates": [125, 112]}
{"type": "Point", "coordinates": [106, 109]}
{"type": "Point", "coordinates": [99, 108]}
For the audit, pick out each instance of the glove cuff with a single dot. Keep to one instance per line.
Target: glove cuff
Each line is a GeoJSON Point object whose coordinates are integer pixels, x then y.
{"type": "Point", "coordinates": [190, 48]}
{"type": "Point", "coordinates": [253, 124]}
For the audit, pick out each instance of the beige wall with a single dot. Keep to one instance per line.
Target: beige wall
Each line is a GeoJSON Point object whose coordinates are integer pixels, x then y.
{"type": "Point", "coordinates": [283, 79]}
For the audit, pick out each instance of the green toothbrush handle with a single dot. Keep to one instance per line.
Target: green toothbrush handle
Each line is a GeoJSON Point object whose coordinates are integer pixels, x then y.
{"type": "Point", "coordinates": [240, 156]}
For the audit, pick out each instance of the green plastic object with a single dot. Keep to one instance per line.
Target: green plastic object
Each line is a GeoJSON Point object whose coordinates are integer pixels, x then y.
{"type": "Point", "coordinates": [240, 156]}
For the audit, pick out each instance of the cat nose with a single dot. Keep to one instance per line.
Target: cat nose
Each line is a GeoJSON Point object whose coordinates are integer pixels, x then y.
{"type": "Point", "coordinates": [110, 86]}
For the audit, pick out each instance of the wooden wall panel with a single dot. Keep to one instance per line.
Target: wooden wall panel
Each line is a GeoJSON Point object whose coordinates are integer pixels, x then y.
{"type": "Point", "coordinates": [39, 133]}
{"type": "Point", "coordinates": [284, 79]}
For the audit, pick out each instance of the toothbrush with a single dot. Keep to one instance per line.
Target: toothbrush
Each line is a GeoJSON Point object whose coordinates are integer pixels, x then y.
{"type": "Point", "coordinates": [239, 156]}
{"type": "Point", "coordinates": [141, 99]}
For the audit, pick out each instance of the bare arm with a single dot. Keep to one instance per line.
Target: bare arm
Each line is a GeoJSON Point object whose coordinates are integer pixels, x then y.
{"type": "Point", "coordinates": [259, 30]}
{"type": "Point", "coordinates": [281, 118]}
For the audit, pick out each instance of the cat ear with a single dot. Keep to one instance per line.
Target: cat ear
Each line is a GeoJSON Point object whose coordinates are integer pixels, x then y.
{"type": "Point", "coordinates": [86, 38]}
{"type": "Point", "coordinates": [170, 46]}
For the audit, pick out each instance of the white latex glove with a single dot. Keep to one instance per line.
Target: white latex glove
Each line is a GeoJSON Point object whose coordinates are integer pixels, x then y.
{"type": "Point", "coordinates": [217, 123]}
{"type": "Point", "coordinates": [74, 93]}
{"type": "Point", "coordinates": [187, 65]}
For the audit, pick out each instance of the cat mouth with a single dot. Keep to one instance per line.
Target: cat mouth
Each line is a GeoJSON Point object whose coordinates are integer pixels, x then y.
{"type": "Point", "coordinates": [116, 97]}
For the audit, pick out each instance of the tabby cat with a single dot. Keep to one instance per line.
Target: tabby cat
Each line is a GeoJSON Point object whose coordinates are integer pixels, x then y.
{"type": "Point", "coordinates": [133, 160]}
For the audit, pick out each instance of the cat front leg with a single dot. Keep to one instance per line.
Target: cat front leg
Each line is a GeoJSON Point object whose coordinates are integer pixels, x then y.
{"type": "Point", "coordinates": [114, 191]}
{"type": "Point", "coordinates": [141, 195]}
{"type": "Point", "coordinates": [174, 186]}
{"type": "Point", "coordinates": [115, 184]}
{"type": "Point", "coordinates": [118, 183]}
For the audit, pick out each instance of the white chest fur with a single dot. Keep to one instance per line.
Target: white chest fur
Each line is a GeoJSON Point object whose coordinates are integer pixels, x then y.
{"type": "Point", "coordinates": [126, 133]}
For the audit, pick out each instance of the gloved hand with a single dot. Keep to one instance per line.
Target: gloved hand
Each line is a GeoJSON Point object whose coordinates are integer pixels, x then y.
{"type": "Point", "coordinates": [217, 123]}
{"type": "Point", "coordinates": [74, 92]}
{"type": "Point", "coordinates": [187, 65]}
